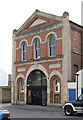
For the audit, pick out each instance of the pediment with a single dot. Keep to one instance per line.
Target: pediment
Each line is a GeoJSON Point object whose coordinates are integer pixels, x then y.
{"type": "Point", "coordinates": [37, 19]}
{"type": "Point", "coordinates": [37, 22]}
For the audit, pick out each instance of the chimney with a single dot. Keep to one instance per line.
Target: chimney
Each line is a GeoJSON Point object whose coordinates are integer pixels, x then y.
{"type": "Point", "coordinates": [65, 14]}
{"type": "Point", "coordinates": [14, 31]}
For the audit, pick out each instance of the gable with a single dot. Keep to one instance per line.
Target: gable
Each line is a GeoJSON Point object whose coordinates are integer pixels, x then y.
{"type": "Point", "coordinates": [38, 20]}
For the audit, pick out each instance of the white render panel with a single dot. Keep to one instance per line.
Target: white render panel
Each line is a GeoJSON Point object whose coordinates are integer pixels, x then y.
{"type": "Point", "coordinates": [21, 69]}
{"type": "Point", "coordinates": [72, 85]}
{"type": "Point", "coordinates": [54, 66]}
{"type": "Point", "coordinates": [37, 22]}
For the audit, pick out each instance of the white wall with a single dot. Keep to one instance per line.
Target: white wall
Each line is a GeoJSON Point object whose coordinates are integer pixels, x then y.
{"type": "Point", "coordinates": [3, 78]}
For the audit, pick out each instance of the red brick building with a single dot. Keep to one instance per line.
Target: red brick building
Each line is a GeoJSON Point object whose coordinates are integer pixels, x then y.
{"type": "Point", "coordinates": [47, 52]}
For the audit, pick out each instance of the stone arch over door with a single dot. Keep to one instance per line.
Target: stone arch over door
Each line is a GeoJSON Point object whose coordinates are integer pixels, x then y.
{"type": "Point", "coordinates": [41, 68]}
{"type": "Point", "coordinates": [34, 67]}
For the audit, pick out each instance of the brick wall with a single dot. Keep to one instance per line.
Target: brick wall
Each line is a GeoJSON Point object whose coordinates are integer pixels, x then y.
{"type": "Point", "coordinates": [43, 46]}
{"type": "Point", "coordinates": [76, 49]}
{"type": "Point", "coordinates": [5, 95]}
{"type": "Point", "coordinates": [44, 64]}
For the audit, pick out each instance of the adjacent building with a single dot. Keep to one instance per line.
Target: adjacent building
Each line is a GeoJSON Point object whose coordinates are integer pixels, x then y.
{"type": "Point", "coordinates": [47, 53]}
{"type": "Point", "coordinates": [3, 78]}
{"type": "Point", "coordinates": [76, 88]}
{"type": "Point", "coordinates": [9, 79]}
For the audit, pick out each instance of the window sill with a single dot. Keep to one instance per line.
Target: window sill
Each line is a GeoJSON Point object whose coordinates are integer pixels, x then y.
{"type": "Point", "coordinates": [40, 59]}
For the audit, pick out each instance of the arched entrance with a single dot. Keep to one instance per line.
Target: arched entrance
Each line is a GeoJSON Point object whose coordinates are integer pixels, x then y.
{"type": "Point", "coordinates": [37, 88]}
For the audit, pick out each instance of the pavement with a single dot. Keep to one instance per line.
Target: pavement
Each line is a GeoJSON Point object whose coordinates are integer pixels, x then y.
{"type": "Point", "coordinates": [34, 107]}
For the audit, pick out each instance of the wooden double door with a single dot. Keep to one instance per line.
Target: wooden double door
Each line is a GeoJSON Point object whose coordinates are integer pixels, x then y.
{"type": "Point", "coordinates": [37, 95]}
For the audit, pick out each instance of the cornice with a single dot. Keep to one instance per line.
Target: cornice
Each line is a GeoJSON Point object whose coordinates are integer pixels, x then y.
{"type": "Point", "coordinates": [41, 60]}
{"type": "Point", "coordinates": [40, 30]}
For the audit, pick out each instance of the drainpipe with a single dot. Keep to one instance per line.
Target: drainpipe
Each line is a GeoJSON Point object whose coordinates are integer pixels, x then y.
{"type": "Point", "coordinates": [82, 49]}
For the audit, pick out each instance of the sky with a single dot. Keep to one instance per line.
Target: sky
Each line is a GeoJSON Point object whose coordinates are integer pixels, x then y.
{"type": "Point", "coordinates": [13, 13]}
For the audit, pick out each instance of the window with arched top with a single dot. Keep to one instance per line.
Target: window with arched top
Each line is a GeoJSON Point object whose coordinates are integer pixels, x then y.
{"type": "Point", "coordinates": [21, 86]}
{"type": "Point", "coordinates": [57, 86]}
{"type": "Point", "coordinates": [24, 51]}
{"type": "Point", "coordinates": [37, 48]}
{"type": "Point", "coordinates": [51, 45]}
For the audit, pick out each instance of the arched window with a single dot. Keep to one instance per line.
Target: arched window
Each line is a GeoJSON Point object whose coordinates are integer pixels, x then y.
{"type": "Point", "coordinates": [24, 51]}
{"type": "Point", "coordinates": [21, 86]}
{"type": "Point", "coordinates": [37, 48]}
{"type": "Point", "coordinates": [57, 86]}
{"type": "Point", "coordinates": [51, 45]}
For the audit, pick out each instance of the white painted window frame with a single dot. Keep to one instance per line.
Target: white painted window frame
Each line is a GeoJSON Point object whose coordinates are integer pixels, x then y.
{"type": "Point", "coordinates": [36, 49]}
{"type": "Point", "coordinates": [24, 51]}
{"type": "Point", "coordinates": [51, 46]}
